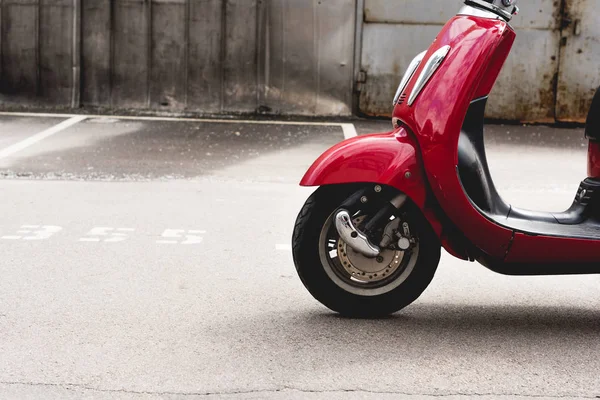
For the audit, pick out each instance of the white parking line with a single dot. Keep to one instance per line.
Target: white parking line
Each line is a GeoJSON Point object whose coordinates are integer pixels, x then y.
{"type": "Point", "coordinates": [348, 128]}
{"type": "Point", "coordinates": [38, 137]}
{"type": "Point", "coordinates": [283, 247]}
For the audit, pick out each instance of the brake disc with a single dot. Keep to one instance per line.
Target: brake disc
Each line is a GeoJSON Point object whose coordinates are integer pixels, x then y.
{"type": "Point", "coordinates": [366, 269]}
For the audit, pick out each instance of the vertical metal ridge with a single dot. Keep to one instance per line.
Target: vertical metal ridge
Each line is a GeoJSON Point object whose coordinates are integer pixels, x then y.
{"type": "Point", "coordinates": [186, 78]}
{"type": "Point", "coordinates": [149, 53]}
{"type": "Point", "coordinates": [111, 57]}
{"type": "Point", "coordinates": [76, 55]}
{"type": "Point", "coordinates": [1, 42]}
{"type": "Point", "coordinates": [223, 51]}
{"type": "Point", "coordinates": [38, 49]}
{"type": "Point", "coordinates": [283, 49]}
{"type": "Point", "coordinates": [358, 37]}
{"type": "Point", "coordinates": [258, 52]}
{"type": "Point", "coordinates": [317, 55]}
{"type": "Point", "coordinates": [559, 56]}
{"type": "Point", "coordinates": [267, 59]}
{"type": "Point", "coordinates": [263, 51]}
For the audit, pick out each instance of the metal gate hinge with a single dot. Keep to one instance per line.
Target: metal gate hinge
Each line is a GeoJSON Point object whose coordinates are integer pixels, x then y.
{"type": "Point", "coordinates": [362, 77]}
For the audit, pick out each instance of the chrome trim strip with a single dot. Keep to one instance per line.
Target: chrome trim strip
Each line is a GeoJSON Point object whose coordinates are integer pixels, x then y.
{"type": "Point", "coordinates": [477, 12]}
{"type": "Point", "coordinates": [410, 71]}
{"type": "Point", "coordinates": [353, 237]}
{"type": "Point", "coordinates": [428, 70]}
{"type": "Point", "coordinates": [505, 14]}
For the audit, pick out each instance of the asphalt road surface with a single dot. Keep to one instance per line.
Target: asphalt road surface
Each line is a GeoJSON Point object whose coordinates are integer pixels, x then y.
{"type": "Point", "coordinates": [145, 259]}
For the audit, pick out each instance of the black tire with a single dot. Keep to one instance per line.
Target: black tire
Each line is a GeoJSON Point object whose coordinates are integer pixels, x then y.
{"type": "Point", "coordinates": [309, 265]}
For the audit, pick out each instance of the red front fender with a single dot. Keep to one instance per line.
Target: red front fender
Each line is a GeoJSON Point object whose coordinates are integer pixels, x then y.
{"type": "Point", "coordinates": [390, 158]}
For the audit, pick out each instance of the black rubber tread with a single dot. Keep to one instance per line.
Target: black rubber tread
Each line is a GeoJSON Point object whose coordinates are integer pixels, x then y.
{"type": "Point", "coordinates": [305, 248]}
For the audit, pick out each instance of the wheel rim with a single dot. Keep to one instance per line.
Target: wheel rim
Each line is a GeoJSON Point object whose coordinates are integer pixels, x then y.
{"type": "Point", "coordinates": [358, 274]}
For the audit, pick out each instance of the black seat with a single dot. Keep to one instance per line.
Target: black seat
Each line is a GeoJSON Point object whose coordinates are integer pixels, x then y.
{"type": "Point", "coordinates": [592, 125]}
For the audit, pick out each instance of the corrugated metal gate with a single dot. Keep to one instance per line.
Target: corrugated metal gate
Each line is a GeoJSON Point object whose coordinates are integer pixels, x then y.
{"type": "Point", "coordinates": [277, 56]}
{"type": "Point", "coordinates": [579, 59]}
{"type": "Point", "coordinates": [207, 56]}
{"type": "Point", "coordinates": [551, 73]}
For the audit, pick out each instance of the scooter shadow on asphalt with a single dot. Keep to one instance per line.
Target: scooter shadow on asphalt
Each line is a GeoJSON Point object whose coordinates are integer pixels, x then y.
{"type": "Point", "coordinates": [468, 315]}
{"type": "Point", "coordinates": [509, 320]}
{"type": "Point", "coordinates": [480, 325]}
{"type": "Point", "coordinates": [425, 335]}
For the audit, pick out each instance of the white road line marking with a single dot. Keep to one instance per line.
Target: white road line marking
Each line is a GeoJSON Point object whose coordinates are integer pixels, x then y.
{"type": "Point", "coordinates": [283, 247]}
{"type": "Point", "coordinates": [174, 119]}
{"type": "Point", "coordinates": [189, 235]}
{"type": "Point", "coordinates": [38, 115]}
{"type": "Point", "coordinates": [349, 130]}
{"type": "Point", "coordinates": [38, 137]}
{"type": "Point", "coordinates": [107, 235]}
{"type": "Point", "coordinates": [34, 232]}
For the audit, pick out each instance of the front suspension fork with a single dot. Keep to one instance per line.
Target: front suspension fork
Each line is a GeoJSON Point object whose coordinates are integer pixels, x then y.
{"type": "Point", "coordinates": [359, 237]}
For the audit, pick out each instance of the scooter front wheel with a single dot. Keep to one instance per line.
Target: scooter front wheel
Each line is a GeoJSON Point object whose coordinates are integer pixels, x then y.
{"type": "Point", "coordinates": [348, 282]}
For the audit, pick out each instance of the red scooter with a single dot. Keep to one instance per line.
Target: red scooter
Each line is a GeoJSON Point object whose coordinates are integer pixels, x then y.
{"type": "Point", "coordinates": [367, 242]}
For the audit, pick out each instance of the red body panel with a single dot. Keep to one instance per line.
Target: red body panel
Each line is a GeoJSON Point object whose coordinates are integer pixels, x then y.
{"type": "Point", "coordinates": [384, 158]}
{"type": "Point", "coordinates": [427, 147]}
{"type": "Point", "coordinates": [437, 116]}
{"type": "Point", "coordinates": [593, 170]}
{"type": "Point", "coordinates": [545, 249]}
{"type": "Point", "coordinates": [391, 159]}
{"type": "Point", "coordinates": [496, 63]}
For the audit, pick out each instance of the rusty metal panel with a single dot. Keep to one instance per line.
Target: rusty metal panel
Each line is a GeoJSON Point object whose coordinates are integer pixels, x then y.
{"type": "Point", "coordinates": [207, 56]}
{"type": "Point", "coordinates": [299, 57]}
{"type": "Point", "coordinates": [525, 89]}
{"type": "Point", "coordinates": [1, 63]}
{"type": "Point", "coordinates": [96, 52]}
{"type": "Point", "coordinates": [240, 62]}
{"type": "Point", "coordinates": [579, 72]}
{"type": "Point", "coordinates": [205, 75]}
{"type": "Point", "coordinates": [55, 49]}
{"type": "Point", "coordinates": [306, 57]}
{"type": "Point", "coordinates": [411, 11]}
{"type": "Point", "coordinates": [387, 50]}
{"type": "Point", "coordinates": [335, 44]}
{"type": "Point", "coordinates": [169, 54]}
{"type": "Point", "coordinates": [294, 59]}
{"type": "Point", "coordinates": [538, 14]}
{"type": "Point", "coordinates": [272, 58]}
{"type": "Point", "coordinates": [131, 53]}
{"type": "Point", "coordinates": [534, 14]}
{"type": "Point", "coordinates": [20, 57]}
{"type": "Point", "coordinates": [394, 32]}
